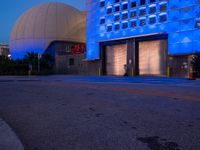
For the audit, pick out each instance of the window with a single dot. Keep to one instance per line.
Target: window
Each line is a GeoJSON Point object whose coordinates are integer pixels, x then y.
{"type": "Point", "coordinates": [125, 7]}
{"type": "Point", "coordinates": [133, 14]}
{"type": "Point", "coordinates": [133, 4]}
{"type": "Point", "coordinates": [124, 16]}
{"type": "Point", "coordinates": [116, 18]}
{"type": "Point", "coordinates": [109, 28]}
{"type": "Point", "coordinates": [133, 24]}
{"type": "Point", "coordinates": [109, 10]}
{"type": "Point", "coordinates": [163, 7]}
{"type": "Point", "coordinates": [117, 27]}
{"type": "Point", "coordinates": [102, 21]}
{"type": "Point", "coordinates": [142, 12]}
{"type": "Point", "coordinates": [102, 3]}
{"type": "Point", "coordinates": [125, 25]}
{"type": "Point", "coordinates": [117, 8]}
{"type": "Point", "coordinates": [117, 1]}
{"type": "Point", "coordinates": [197, 23]}
{"type": "Point", "coordinates": [71, 61]}
{"type": "Point", "coordinates": [142, 2]}
{"type": "Point", "coordinates": [152, 20]}
{"type": "Point", "coordinates": [152, 10]}
{"type": "Point", "coordinates": [142, 22]}
{"type": "Point", "coordinates": [163, 18]}
{"type": "Point", "coordinates": [152, 1]}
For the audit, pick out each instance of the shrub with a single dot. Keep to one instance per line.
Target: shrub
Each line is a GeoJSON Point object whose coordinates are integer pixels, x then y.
{"type": "Point", "coordinates": [195, 64]}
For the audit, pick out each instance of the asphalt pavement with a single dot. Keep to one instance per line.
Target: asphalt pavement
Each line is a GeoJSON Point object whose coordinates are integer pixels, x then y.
{"type": "Point", "coordinates": [8, 138]}
{"type": "Point", "coordinates": [102, 113]}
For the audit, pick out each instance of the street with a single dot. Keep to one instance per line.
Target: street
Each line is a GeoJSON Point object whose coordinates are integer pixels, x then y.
{"type": "Point", "coordinates": [102, 113]}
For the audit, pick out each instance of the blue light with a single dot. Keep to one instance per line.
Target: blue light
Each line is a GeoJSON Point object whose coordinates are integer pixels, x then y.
{"type": "Point", "coordinates": [177, 18]}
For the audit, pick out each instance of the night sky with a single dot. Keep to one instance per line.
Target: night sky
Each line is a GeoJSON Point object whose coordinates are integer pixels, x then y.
{"type": "Point", "coordinates": [11, 10]}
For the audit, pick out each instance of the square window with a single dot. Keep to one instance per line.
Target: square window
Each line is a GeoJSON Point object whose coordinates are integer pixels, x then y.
{"type": "Point", "coordinates": [163, 7]}
{"type": "Point", "coordinates": [152, 20]}
{"type": "Point", "coordinates": [117, 8]}
{"type": "Point", "coordinates": [142, 22]}
{"type": "Point", "coordinates": [133, 4]}
{"type": "Point", "coordinates": [152, 1]}
{"type": "Point", "coordinates": [125, 7]}
{"type": "Point", "coordinates": [152, 10]}
{"type": "Point", "coordinates": [109, 28]}
{"type": "Point", "coordinates": [133, 14]}
{"type": "Point", "coordinates": [163, 18]}
{"type": "Point", "coordinates": [142, 12]}
{"type": "Point", "coordinates": [102, 21]}
{"type": "Point", "coordinates": [142, 2]}
{"type": "Point", "coordinates": [125, 25]}
{"type": "Point", "coordinates": [197, 24]}
{"type": "Point", "coordinates": [124, 16]}
{"type": "Point", "coordinates": [133, 24]}
{"type": "Point", "coordinates": [71, 61]}
{"type": "Point", "coordinates": [116, 18]}
{"type": "Point", "coordinates": [109, 10]}
{"type": "Point", "coordinates": [117, 27]}
{"type": "Point", "coordinates": [102, 3]}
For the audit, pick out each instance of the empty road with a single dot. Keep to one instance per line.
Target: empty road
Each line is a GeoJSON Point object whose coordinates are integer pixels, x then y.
{"type": "Point", "coordinates": [102, 113]}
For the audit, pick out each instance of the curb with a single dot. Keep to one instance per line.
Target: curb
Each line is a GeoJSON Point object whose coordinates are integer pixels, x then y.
{"type": "Point", "coordinates": [8, 139]}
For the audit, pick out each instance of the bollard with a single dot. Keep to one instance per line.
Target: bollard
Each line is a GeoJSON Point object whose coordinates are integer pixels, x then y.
{"type": "Point", "coordinates": [132, 72]}
{"type": "Point", "coordinates": [99, 71]}
{"type": "Point", "coordinates": [168, 71]}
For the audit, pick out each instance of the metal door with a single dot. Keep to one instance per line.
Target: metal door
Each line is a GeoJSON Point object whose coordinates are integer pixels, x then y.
{"type": "Point", "coordinates": [152, 57]}
{"type": "Point", "coordinates": [116, 59]}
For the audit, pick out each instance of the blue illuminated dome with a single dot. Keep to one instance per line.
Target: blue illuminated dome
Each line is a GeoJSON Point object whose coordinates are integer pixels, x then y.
{"type": "Point", "coordinates": [43, 24]}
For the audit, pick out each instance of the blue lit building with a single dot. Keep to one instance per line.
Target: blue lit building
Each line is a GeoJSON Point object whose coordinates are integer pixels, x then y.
{"type": "Point", "coordinates": [143, 37]}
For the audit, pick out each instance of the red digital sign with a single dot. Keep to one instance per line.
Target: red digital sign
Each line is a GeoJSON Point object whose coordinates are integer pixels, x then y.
{"type": "Point", "coordinates": [78, 49]}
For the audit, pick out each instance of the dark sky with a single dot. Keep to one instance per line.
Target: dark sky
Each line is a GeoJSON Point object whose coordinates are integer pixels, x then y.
{"type": "Point", "coordinates": [11, 10]}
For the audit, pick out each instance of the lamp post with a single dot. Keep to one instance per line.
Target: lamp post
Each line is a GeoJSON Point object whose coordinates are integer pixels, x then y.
{"type": "Point", "coordinates": [39, 57]}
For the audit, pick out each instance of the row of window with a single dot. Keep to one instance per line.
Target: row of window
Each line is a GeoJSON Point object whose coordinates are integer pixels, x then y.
{"type": "Point", "coordinates": [143, 11]}
{"type": "Point", "coordinates": [142, 22]}
{"type": "Point", "coordinates": [133, 23]}
{"type": "Point", "coordinates": [123, 17]}
{"type": "Point", "coordinates": [133, 4]}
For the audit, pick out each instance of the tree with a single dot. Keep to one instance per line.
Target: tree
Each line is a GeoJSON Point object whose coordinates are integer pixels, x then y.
{"type": "Point", "coordinates": [31, 59]}
{"type": "Point", "coordinates": [47, 62]}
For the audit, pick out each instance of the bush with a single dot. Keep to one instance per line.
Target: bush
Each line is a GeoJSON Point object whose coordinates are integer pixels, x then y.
{"type": "Point", "coordinates": [21, 67]}
{"type": "Point", "coordinates": [195, 64]}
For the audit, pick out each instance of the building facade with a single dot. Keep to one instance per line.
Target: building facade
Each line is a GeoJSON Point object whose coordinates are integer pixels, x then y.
{"type": "Point", "coordinates": [143, 37]}
{"type": "Point", "coordinates": [4, 50]}
{"type": "Point", "coordinates": [68, 57]}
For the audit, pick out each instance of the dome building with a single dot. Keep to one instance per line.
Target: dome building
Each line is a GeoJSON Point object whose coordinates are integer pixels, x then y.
{"type": "Point", "coordinates": [49, 28]}
{"type": "Point", "coordinates": [43, 24]}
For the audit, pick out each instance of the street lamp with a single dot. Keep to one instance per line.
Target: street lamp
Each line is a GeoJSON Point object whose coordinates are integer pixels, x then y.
{"type": "Point", "coordinates": [9, 56]}
{"type": "Point", "coordinates": [39, 57]}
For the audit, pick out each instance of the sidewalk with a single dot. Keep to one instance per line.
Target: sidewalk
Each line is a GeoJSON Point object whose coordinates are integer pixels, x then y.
{"type": "Point", "coordinates": [8, 139]}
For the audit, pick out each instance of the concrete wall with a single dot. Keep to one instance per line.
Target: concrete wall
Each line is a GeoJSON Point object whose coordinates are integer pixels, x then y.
{"type": "Point", "coordinates": [80, 67]}
{"type": "Point", "coordinates": [94, 67]}
{"type": "Point", "coordinates": [179, 65]}
{"type": "Point", "coordinates": [63, 66]}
